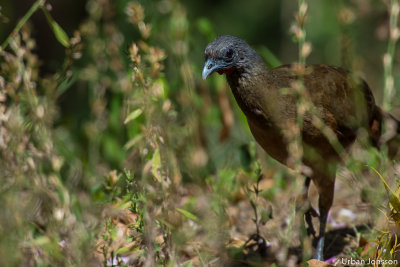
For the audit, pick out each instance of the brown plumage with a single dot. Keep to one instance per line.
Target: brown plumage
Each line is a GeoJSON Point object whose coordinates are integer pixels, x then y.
{"type": "Point", "coordinates": [344, 103]}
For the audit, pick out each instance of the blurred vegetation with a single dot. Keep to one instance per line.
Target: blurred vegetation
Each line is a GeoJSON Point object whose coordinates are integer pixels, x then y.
{"type": "Point", "coordinates": [113, 151]}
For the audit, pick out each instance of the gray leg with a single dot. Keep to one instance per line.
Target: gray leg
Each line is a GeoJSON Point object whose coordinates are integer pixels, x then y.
{"type": "Point", "coordinates": [319, 253]}
{"type": "Point", "coordinates": [325, 203]}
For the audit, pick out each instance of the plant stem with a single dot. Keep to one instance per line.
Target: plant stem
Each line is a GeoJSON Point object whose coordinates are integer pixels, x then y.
{"type": "Point", "coordinates": [389, 55]}
{"type": "Point", "coordinates": [302, 36]}
{"type": "Point", "coordinates": [21, 23]}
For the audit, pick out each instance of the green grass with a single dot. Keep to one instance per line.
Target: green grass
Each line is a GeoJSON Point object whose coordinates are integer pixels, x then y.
{"type": "Point", "coordinates": [123, 152]}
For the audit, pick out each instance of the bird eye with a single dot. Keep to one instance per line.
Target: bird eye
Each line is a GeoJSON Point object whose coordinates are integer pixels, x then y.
{"type": "Point", "coordinates": [229, 53]}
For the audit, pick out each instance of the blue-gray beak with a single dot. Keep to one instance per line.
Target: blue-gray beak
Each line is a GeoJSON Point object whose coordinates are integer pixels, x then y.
{"type": "Point", "coordinates": [209, 67]}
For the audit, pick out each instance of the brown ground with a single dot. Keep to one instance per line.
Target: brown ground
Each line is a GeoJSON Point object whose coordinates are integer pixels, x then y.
{"type": "Point", "coordinates": [354, 217]}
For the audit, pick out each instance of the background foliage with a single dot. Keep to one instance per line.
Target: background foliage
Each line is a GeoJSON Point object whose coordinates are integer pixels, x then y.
{"type": "Point", "coordinates": [113, 150]}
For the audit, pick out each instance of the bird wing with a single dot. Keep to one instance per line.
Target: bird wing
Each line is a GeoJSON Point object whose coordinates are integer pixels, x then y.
{"type": "Point", "coordinates": [342, 101]}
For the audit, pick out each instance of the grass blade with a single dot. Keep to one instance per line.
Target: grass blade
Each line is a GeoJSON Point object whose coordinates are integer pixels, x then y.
{"type": "Point", "coordinates": [21, 23]}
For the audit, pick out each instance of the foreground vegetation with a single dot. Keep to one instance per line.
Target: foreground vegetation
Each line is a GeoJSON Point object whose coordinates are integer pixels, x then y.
{"type": "Point", "coordinates": [123, 156]}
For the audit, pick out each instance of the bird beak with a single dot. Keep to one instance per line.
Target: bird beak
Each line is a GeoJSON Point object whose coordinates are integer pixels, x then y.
{"type": "Point", "coordinates": [209, 67]}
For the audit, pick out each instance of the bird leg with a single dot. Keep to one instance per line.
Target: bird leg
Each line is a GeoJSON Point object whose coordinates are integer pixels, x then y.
{"type": "Point", "coordinates": [324, 203]}
{"type": "Point", "coordinates": [309, 210]}
{"type": "Point", "coordinates": [258, 242]}
{"type": "Point", "coordinates": [319, 252]}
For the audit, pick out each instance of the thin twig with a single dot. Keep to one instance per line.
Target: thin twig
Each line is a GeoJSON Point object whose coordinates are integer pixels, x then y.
{"type": "Point", "coordinates": [21, 23]}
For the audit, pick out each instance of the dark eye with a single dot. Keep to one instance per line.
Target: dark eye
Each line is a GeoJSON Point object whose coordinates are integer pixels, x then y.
{"type": "Point", "coordinates": [229, 53]}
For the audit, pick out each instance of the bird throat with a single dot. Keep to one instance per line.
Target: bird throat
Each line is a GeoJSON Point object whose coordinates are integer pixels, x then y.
{"type": "Point", "coordinates": [226, 71]}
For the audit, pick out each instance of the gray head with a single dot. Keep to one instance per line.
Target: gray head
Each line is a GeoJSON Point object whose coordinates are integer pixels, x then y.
{"type": "Point", "coordinates": [228, 54]}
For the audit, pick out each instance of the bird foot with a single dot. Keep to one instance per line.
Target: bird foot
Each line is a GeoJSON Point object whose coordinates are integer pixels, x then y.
{"type": "Point", "coordinates": [257, 243]}
{"type": "Point", "coordinates": [311, 212]}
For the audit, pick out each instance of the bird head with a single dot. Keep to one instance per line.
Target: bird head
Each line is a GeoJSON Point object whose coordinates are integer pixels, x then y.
{"type": "Point", "coordinates": [227, 54]}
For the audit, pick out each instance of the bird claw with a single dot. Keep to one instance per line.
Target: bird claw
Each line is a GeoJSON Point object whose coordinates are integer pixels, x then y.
{"type": "Point", "coordinates": [258, 242]}
{"type": "Point", "coordinates": [311, 231]}
{"type": "Point", "coordinates": [311, 212]}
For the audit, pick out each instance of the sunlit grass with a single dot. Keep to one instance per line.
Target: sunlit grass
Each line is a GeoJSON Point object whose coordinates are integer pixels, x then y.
{"type": "Point", "coordinates": [151, 166]}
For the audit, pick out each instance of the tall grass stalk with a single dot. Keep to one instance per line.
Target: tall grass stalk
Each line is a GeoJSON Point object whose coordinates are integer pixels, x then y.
{"type": "Point", "coordinates": [304, 47]}
{"type": "Point", "coordinates": [394, 34]}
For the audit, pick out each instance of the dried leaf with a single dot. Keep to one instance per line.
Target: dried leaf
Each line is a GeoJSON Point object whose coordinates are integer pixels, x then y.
{"type": "Point", "coordinates": [317, 263]}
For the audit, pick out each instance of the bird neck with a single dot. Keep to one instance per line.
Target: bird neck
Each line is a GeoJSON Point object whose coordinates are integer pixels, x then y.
{"type": "Point", "coordinates": [245, 84]}
{"type": "Point", "coordinates": [247, 74]}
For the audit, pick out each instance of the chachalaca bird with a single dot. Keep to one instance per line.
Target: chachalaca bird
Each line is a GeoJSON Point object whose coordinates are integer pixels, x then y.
{"type": "Point", "coordinates": [343, 103]}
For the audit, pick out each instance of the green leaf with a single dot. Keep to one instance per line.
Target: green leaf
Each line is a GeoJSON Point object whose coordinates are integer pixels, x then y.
{"type": "Point", "coordinates": [162, 221]}
{"type": "Point", "coordinates": [156, 165]}
{"type": "Point", "coordinates": [59, 33]}
{"type": "Point", "coordinates": [188, 214]}
{"type": "Point", "coordinates": [393, 199]}
{"type": "Point", "coordinates": [133, 115]}
{"type": "Point", "coordinates": [66, 83]}
{"type": "Point", "coordinates": [122, 250]}
{"type": "Point", "coordinates": [41, 241]}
